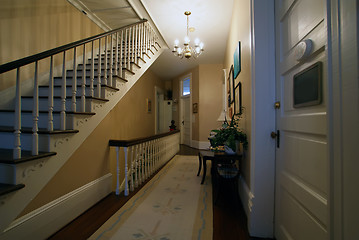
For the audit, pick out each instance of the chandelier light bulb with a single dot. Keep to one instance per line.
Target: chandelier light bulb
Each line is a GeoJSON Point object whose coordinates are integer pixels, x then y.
{"type": "Point", "coordinates": [187, 50]}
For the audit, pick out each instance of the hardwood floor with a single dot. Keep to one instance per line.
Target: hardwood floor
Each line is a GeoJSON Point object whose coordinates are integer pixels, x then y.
{"type": "Point", "coordinates": [229, 219]}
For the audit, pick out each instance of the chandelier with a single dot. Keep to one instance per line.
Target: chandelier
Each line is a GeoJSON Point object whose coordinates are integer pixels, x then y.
{"type": "Point", "coordinates": [188, 51]}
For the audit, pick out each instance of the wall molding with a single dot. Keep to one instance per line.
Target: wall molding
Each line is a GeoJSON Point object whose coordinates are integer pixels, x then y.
{"type": "Point", "coordinates": [199, 144]}
{"type": "Point", "coordinates": [46, 220]}
{"type": "Point", "coordinates": [245, 195]}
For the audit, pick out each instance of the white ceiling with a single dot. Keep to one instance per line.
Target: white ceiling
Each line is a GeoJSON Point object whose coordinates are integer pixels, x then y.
{"type": "Point", "coordinates": [210, 18]}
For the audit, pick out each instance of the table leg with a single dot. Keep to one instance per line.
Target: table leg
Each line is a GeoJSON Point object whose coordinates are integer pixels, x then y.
{"type": "Point", "coordinates": [200, 164]}
{"type": "Point", "coordinates": [204, 169]}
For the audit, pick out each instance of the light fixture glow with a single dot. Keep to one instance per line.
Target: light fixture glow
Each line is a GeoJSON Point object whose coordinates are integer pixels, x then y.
{"type": "Point", "coordinates": [187, 51]}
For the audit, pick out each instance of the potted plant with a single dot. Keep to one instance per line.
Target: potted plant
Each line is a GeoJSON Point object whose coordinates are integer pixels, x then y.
{"type": "Point", "coordinates": [228, 136]}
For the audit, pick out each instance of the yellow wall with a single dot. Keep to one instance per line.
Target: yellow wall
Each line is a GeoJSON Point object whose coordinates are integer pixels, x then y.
{"type": "Point", "coordinates": [94, 158]}
{"type": "Point", "coordinates": [33, 26]}
{"type": "Point", "coordinates": [240, 31]}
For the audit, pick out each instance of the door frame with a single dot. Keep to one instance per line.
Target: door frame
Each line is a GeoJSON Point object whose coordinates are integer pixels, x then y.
{"type": "Point", "coordinates": [181, 107]}
{"type": "Point", "coordinates": [158, 91]}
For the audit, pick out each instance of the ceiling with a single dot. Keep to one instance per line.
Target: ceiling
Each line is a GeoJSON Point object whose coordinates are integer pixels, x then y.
{"type": "Point", "coordinates": [210, 18]}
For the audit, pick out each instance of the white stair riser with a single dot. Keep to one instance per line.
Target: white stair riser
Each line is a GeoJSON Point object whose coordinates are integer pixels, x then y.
{"type": "Point", "coordinates": [43, 92]}
{"type": "Point", "coordinates": [7, 141]}
{"type": "Point", "coordinates": [7, 120]}
{"type": "Point", "coordinates": [27, 104]}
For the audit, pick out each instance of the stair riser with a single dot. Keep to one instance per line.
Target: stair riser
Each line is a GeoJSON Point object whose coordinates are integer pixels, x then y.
{"type": "Point", "coordinates": [27, 104]}
{"type": "Point", "coordinates": [70, 73]}
{"type": "Point", "coordinates": [58, 81]}
{"type": "Point", "coordinates": [7, 140]}
{"type": "Point", "coordinates": [43, 92]}
{"type": "Point", "coordinates": [7, 120]}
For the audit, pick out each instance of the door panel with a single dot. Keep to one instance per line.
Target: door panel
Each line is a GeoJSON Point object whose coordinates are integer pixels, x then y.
{"type": "Point", "coordinates": [301, 160]}
{"type": "Point", "coordinates": [186, 121]}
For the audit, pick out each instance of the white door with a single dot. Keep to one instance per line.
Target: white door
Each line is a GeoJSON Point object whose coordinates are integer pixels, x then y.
{"type": "Point", "coordinates": [302, 175]}
{"type": "Point", "coordinates": [185, 124]}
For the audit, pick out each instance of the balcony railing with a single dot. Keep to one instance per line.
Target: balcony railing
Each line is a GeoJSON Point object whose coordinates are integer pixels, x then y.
{"type": "Point", "coordinates": [143, 157]}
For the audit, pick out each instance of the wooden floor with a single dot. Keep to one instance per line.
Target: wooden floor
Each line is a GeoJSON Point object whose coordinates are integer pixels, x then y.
{"type": "Point", "coordinates": [229, 220]}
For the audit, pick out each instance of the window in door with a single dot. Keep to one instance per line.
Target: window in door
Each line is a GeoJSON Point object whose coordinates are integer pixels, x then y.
{"type": "Point", "coordinates": [186, 90]}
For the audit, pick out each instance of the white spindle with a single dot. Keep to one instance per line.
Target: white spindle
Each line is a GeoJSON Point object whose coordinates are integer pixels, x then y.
{"type": "Point", "coordinates": [117, 171]}
{"type": "Point", "coordinates": [111, 61]}
{"type": "Point", "coordinates": [133, 45]}
{"type": "Point", "coordinates": [35, 113]}
{"type": "Point", "coordinates": [142, 40]}
{"type": "Point", "coordinates": [116, 58]}
{"type": "Point", "coordinates": [132, 187]}
{"type": "Point", "coordinates": [121, 54]}
{"type": "Point", "coordinates": [74, 83]}
{"type": "Point", "coordinates": [125, 50]}
{"type": "Point", "coordinates": [126, 171]}
{"type": "Point", "coordinates": [63, 94]}
{"type": "Point", "coordinates": [106, 62]}
{"type": "Point", "coordinates": [83, 86]}
{"type": "Point", "coordinates": [17, 125]}
{"type": "Point", "coordinates": [129, 49]}
{"type": "Point", "coordinates": [50, 124]}
{"type": "Point", "coordinates": [136, 44]}
{"type": "Point", "coordinates": [99, 70]}
{"type": "Point", "coordinates": [145, 159]}
{"type": "Point", "coordinates": [92, 71]}
{"type": "Point", "coordinates": [136, 166]}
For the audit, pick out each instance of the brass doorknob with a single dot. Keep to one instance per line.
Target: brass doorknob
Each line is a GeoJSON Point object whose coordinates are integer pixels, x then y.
{"type": "Point", "coordinates": [273, 135]}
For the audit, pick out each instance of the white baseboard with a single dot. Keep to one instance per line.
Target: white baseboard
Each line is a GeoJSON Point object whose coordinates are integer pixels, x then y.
{"type": "Point", "coordinates": [200, 145]}
{"type": "Point", "coordinates": [246, 196]}
{"type": "Point", "coordinates": [46, 220]}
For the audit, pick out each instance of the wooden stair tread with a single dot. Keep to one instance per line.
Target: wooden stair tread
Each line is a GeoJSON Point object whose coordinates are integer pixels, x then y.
{"type": "Point", "coordinates": [8, 188]}
{"type": "Point", "coordinates": [6, 156]}
{"type": "Point", "coordinates": [40, 131]}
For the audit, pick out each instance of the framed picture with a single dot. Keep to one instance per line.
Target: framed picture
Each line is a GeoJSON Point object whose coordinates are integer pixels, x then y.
{"type": "Point", "coordinates": [195, 108]}
{"type": "Point", "coordinates": [148, 105]}
{"type": "Point", "coordinates": [237, 60]}
{"type": "Point", "coordinates": [238, 99]}
{"type": "Point", "coordinates": [231, 86]}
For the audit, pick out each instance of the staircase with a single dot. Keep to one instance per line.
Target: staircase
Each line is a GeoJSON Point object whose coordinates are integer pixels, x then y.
{"type": "Point", "coordinates": [44, 129]}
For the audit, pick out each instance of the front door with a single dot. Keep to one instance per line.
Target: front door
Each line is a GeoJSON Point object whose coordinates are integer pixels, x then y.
{"type": "Point", "coordinates": [302, 169]}
{"type": "Point", "coordinates": [186, 128]}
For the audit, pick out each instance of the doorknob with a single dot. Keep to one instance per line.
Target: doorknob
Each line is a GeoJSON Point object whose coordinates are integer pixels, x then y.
{"type": "Point", "coordinates": [273, 135]}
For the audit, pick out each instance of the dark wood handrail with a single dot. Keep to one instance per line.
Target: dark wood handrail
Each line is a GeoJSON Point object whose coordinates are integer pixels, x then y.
{"type": "Point", "coordinates": [131, 142]}
{"type": "Point", "coordinates": [36, 57]}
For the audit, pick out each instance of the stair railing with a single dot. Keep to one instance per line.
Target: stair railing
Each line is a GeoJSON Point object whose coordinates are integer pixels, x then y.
{"type": "Point", "coordinates": [131, 43]}
{"type": "Point", "coordinates": [143, 157]}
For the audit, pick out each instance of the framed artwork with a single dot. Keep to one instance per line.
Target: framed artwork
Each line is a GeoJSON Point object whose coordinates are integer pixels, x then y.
{"type": "Point", "coordinates": [237, 61]}
{"type": "Point", "coordinates": [238, 99]}
{"type": "Point", "coordinates": [148, 105]}
{"type": "Point", "coordinates": [231, 86]}
{"type": "Point", "coordinates": [195, 108]}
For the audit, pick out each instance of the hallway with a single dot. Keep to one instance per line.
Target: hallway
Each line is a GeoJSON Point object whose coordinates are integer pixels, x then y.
{"type": "Point", "coordinates": [229, 220]}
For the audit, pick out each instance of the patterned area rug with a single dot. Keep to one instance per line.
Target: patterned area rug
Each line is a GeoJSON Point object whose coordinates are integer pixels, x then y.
{"type": "Point", "coordinates": [172, 206]}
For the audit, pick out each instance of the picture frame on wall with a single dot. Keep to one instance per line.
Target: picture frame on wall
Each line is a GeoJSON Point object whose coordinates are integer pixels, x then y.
{"type": "Point", "coordinates": [238, 99]}
{"type": "Point", "coordinates": [231, 86]}
{"type": "Point", "coordinates": [237, 61]}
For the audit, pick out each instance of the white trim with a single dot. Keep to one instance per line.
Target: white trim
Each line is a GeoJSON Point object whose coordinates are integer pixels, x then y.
{"type": "Point", "coordinates": [82, 8]}
{"type": "Point", "coordinates": [245, 195]}
{"type": "Point", "coordinates": [181, 105]}
{"type": "Point", "coordinates": [46, 220]}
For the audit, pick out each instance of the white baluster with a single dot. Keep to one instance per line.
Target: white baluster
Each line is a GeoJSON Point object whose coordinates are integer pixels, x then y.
{"type": "Point", "coordinates": [50, 121]}
{"type": "Point", "coordinates": [105, 63]}
{"type": "Point", "coordinates": [74, 83]}
{"type": "Point", "coordinates": [92, 74]}
{"type": "Point", "coordinates": [136, 166]}
{"type": "Point", "coordinates": [136, 45]}
{"type": "Point", "coordinates": [132, 187]}
{"type": "Point", "coordinates": [121, 54]}
{"type": "Point", "coordinates": [63, 94]}
{"type": "Point", "coordinates": [35, 113]}
{"type": "Point", "coordinates": [125, 50]}
{"type": "Point", "coordinates": [126, 171]}
{"type": "Point", "coordinates": [111, 61]}
{"type": "Point", "coordinates": [116, 58]}
{"type": "Point", "coordinates": [117, 171]}
{"type": "Point", "coordinates": [142, 42]}
{"type": "Point", "coordinates": [99, 69]}
{"type": "Point", "coordinates": [17, 126]}
{"type": "Point", "coordinates": [146, 159]}
{"type": "Point", "coordinates": [133, 45]}
{"type": "Point", "coordinates": [129, 50]}
{"type": "Point", "coordinates": [83, 85]}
